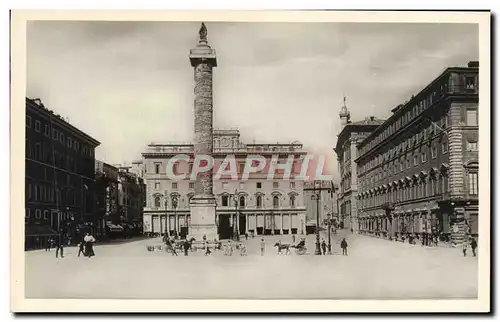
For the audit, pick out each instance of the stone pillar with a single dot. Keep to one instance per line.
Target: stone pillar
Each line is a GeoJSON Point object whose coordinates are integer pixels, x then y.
{"type": "Point", "coordinates": [203, 203]}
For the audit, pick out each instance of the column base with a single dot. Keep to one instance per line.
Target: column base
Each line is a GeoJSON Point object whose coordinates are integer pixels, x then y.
{"type": "Point", "coordinates": [203, 218]}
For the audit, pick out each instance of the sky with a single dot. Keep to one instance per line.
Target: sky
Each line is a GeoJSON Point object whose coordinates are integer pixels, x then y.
{"type": "Point", "coordinates": [128, 84]}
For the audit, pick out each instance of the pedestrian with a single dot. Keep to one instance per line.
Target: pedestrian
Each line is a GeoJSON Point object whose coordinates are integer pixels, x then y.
{"type": "Point", "coordinates": [246, 236]}
{"type": "Point", "coordinates": [207, 250]}
{"type": "Point", "coordinates": [60, 246]}
{"type": "Point", "coordinates": [89, 245]}
{"type": "Point", "coordinates": [262, 247]}
{"type": "Point", "coordinates": [81, 248]}
{"type": "Point", "coordinates": [186, 247]}
{"type": "Point", "coordinates": [473, 245]}
{"type": "Point", "coordinates": [293, 238]}
{"type": "Point", "coordinates": [343, 245]}
{"type": "Point", "coordinates": [49, 244]}
{"type": "Point", "coordinates": [229, 248]}
{"type": "Point", "coordinates": [323, 246]}
{"type": "Point", "coordinates": [204, 238]}
{"type": "Point", "coordinates": [464, 248]}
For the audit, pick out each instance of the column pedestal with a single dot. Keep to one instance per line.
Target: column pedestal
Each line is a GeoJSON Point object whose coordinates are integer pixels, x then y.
{"type": "Point", "coordinates": [203, 218]}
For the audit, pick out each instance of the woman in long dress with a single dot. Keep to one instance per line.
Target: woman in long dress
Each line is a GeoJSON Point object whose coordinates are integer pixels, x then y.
{"type": "Point", "coordinates": [89, 247]}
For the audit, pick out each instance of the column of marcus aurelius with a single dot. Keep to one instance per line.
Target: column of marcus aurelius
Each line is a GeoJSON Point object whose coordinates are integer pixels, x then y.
{"type": "Point", "coordinates": [203, 206]}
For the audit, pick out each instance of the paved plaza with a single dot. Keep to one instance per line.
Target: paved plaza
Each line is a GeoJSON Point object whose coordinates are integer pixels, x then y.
{"type": "Point", "coordinates": [374, 269]}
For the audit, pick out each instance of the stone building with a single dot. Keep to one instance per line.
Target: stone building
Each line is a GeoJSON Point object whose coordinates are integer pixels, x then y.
{"type": "Point", "coordinates": [352, 133]}
{"type": "Point", "coordinates": [59, 176]}
{"type": "Point", "coordinates": [131, 199]}
{"type": "Point", "coordinates": [256, 205]}
{"type": "Point", "coordinates": [328, 202]}
{"type": "Point", "coordinates": [106, 191]}
{"type": "Point", "coordinates": [418, 171]}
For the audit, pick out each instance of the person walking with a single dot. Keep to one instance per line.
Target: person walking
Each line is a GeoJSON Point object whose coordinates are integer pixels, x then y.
{"type": "Point", "coordinates": [293, 238]}
{"type": "Point", "coordinates": [323, 246]}
{"type": "Point", "coordinates": [186, 246]}
{"type": "Point", "coordinates": [473, 245]}
{"type": "Point", "coordinates": [262, 247]}
{"type": "Point", "coordinates": [343, 245]}
{"type": "Point", "coordinates": [464, 248]}
{"type": "Point", "coordinates": [50, 244]}
{"type": "Point", "coordinates": [81, 248]}
{"type": "Point", "coordinates": [60, 246]}
{"type": "Point", "coordinates": [89, 245]}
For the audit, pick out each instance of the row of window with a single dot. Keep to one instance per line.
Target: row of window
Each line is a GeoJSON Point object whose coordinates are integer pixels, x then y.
{"type": "Point", "coordinates": [225, 200]}
{"type": "Point", "coordinates": [41, 192]}
{"type": "Point", "coordinates": [418, 139]}
{"type": "Point", "coordinates": [241, 167]}
{"type": "Point", "coordinates": [411, 113]}
{"type": "Point", "coordinates": [417, 190]}
{"type": "Point", "coordinates": [59, 137]}
{"type": "Point", "coordinates": [225, 185]}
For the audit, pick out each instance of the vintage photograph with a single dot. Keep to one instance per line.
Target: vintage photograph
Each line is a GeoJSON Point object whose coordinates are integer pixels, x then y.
{"type": "Point", "coordinates": [252, 160]}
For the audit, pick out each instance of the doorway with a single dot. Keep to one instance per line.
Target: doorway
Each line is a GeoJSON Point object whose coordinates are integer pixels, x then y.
{"type": "Point", "coordinates": [243, 224]}
{"type": "Point", "coordinates": [225, 230]}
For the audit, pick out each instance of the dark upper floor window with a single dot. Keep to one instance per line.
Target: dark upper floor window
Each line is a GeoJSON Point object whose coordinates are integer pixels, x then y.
{"type": "Point", "coordinates": [242, 201]}
{"type": "Point", "coordinates": [46, 130]}
{"type": "Point", "coordinates": [37, 126]}
{"type": "Point", "coordinates": [157, 168]}
{"type": "Point", "coordinates": [225, 201]}
{"type": "Point", "coordinates": [55, 134]}
{"type": "Point", "coordinates": [259, 185]}
{"type": "Point", "coordinates": [28, 121]}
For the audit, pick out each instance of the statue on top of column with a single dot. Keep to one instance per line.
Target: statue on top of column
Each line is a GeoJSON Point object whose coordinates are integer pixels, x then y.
{"type": "Point", "coordinates": [203, 32]}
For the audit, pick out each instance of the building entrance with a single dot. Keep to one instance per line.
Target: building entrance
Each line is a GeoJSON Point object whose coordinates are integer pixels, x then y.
{"type": "Point", "coordinates": [243, 224]}
{"type": "Point", "coordinates": [224, 230]}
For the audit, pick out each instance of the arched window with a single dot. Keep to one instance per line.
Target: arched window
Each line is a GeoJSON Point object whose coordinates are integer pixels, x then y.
{"type": "Point", "coordinates": [292, 201]}
{"type": "Point", "coordinates": [276, 202]}
{"type": "Point", "coordinates": [157, 202]}
{"type": "Point", "coordinates": [259, 201]}
{"type": "Point", "coordinates": [174, 202]}
{"type": "Point", "coordinates": [242, 201]}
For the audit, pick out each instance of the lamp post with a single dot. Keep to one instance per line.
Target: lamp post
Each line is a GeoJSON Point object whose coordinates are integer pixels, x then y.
{"type": "Point", "coordinates": [236, 234]}
{"type": "Point", "coordinates": [329, 223]}
{"type": "Point", "coordinates": [166, 215]}
{"type": "Point", "coordinates": [174, 205]}
{"type": "Point", "coordinates": [316, 196]}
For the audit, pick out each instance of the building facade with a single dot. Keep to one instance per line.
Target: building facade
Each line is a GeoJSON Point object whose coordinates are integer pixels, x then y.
{"type": "Point", "coordinates": [131, 200]}
{"type": "Point", "coordinates": [59, 176]}
{"type": "Point", "coordinates": [255, 205]}
{"type": "Point", "coordinates": [328, 203]}
{"type": "Point", "coordinates": [106, 191]}
{"type": "Point", "coordinates": [350, 136]}
{"type": "Point", "coordinates": [418, 171]}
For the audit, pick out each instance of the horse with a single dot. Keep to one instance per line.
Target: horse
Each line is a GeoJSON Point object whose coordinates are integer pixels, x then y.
{"type": "Point", "coordinates": [283, 246]}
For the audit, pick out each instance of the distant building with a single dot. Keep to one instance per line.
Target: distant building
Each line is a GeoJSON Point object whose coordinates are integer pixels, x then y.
{"type": "Point", "coordinates": [256, 205]}
{"type": "Point", "coordinates": [350, 136]}
{"type": "Point", "coordinates": [418, 171]}
{"type": "Point", "coordinates": [106, 198]}
{"type": "Point", "coordinates": [131, 200]}
{"type": "Point", "coordinates": [59, 176]}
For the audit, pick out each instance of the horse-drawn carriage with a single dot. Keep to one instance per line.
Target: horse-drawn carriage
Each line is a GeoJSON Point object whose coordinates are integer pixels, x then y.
{"type": "Point", "coordinates": [300, 247]}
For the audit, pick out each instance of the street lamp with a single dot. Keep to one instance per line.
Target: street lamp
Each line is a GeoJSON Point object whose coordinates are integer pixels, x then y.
{"type": "Point", "coordinates": [236, 234]}
{"type": "Point", "coordinates": [166, 215]}
{"type": "Point", "coordinates": [329, 223]}
{"type": "Point", "coordinates": [316, 196]}
{"type": "Point", "coordinates": [174, 205]}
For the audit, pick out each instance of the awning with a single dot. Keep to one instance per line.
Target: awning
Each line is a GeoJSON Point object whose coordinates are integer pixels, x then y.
{"type": "Point", "coordinates": [113, 227]}
{"type": "Point", "coordinates": [36, 230]}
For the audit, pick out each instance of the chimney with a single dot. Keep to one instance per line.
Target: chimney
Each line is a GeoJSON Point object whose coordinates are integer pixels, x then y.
{"type": "Point", "coordinates": [473, 64]}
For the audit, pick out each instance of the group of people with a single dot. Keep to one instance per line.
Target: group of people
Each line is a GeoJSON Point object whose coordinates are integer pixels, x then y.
{"type": "Point", "coordinates": [86, 246]}
{"type": "Point", "coordinates": [473, 246]}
